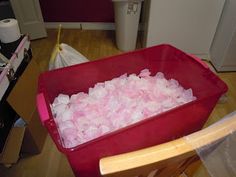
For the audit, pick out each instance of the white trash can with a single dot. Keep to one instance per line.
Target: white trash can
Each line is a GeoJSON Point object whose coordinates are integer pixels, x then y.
{"type": "Point", "coordinates": [127, 14]}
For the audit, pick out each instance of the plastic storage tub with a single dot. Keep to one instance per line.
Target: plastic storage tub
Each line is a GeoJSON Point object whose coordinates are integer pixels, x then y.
{"type": "Point", "coordinates": [180, 121]}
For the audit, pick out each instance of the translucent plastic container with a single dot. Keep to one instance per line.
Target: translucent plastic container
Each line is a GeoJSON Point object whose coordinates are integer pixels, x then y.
{"type": "Point", "coordinates": [180, 121]}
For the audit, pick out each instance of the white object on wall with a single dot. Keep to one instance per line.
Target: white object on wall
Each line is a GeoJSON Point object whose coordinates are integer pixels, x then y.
{"type": "Point", "coordinates": [187, 24]}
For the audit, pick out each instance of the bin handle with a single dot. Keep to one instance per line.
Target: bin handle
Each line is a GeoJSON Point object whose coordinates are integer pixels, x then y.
{"type": "Point", "coordinates": [42, 108]}
{"type": "Point", "coordinates": [199, 60]}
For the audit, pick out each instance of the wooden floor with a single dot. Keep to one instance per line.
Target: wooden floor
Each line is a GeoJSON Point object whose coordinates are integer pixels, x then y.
{"type": "Point", "coordinates": [94, 45]}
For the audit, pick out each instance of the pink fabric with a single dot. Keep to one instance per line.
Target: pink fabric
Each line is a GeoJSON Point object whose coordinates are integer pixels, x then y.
{"type": "Point", "coordinates": [114, 104]}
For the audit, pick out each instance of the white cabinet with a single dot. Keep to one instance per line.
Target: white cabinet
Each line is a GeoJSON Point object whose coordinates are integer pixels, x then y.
{"type": "Point", "coordinates": [223, 49]}
{"type": "Point", "coordinates": [189, 25]}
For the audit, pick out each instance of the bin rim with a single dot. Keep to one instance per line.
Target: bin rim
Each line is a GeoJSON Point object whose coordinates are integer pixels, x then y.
{"type": "Point", "coordinates": [166, 45]}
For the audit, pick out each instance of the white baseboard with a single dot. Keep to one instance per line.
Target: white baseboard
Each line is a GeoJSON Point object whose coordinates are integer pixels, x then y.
{"type": "Point", "coordinates": [84, 25]}
{"type": "Point", "coordinates": [81, 25]}
{"type": "Point", "coordinates": [98, 26]}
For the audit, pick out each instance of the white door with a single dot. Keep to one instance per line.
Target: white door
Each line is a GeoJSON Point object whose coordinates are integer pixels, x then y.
{"type": "Point", "coordinates": [28, 14]}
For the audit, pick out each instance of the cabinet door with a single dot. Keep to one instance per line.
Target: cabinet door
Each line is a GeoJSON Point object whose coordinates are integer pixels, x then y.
{"type": "Point", "coordinates": [29, 16]}
{"type": "Point", "coordinates": [187, 24]}
{"type": "Point", "coordinates": [223, 53]}
{"type": "Point", "coordinates": [230, 58]}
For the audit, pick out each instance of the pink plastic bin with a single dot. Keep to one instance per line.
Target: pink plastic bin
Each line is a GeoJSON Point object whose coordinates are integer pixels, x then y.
{"type": "Point", "coordinates": [187, 69]}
